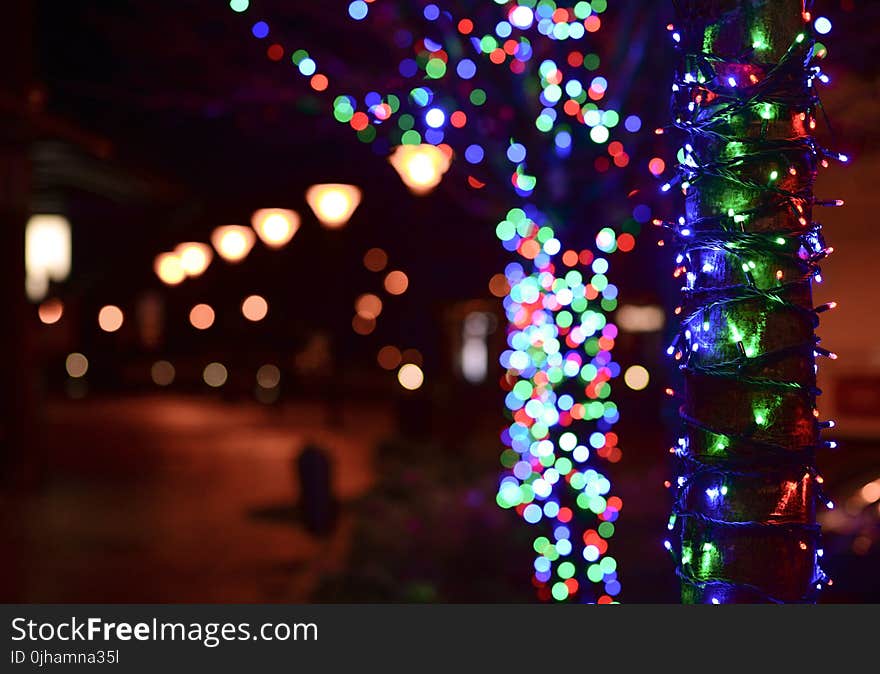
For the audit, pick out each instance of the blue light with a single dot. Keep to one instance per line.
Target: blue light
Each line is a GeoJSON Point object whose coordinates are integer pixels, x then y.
{"type": "Point", "coordinates": [434, 136]}
{"type": "Point", "coordinates": [632, 123]}
{"type": "Point", "coordinates": [563, 139]}
{"type": "Point", "coordinates": [466, 69]}
{"type": "Point", "coordinates": [358, 9]}
{"type": "Point", "coordinates": [260, 29]}
{"type": "Point", "coordinates": [435, 118]}
{"type": "Point", "coordinates": [532, 513]}
{"type": "Point", "coordinates": [432, 12]}
{"type": "Point", "coordinates": [642, 213]}
{"type": "Point", "coordinates": [474, 154]}
{"type": "Point", "coordinates": [516, 153]}
{"type": "Point", "coordinates": [408, 67]}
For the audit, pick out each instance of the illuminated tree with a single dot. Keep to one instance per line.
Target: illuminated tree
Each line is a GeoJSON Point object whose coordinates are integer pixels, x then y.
{"type": "Point", "coordinates": [749, 249]}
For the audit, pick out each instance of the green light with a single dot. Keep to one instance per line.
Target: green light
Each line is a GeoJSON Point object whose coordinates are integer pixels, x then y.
{"type": "Point", "coordinates": [411, 137]}
{"type": "Point", "coordinates": [560, 591]}
{"type": "Point", "coordinates": [435, 68]}
{"type": "Point", "coordinates": [780, 240]}
{"type": "Point", "coordinates": [686, 555]}
{"type": "Point", "coordinates": [767, 111]}
{"type": "Point", "coordinates": [800, 38]}
{"type": "Point", "coordinates": [565, 570]}
{"type": "Point", "coordinates": [239, 5]}
{"type": "Point", "coordinates": [478, 97]}
{"type": "Point", "coordinates": [774, 175]}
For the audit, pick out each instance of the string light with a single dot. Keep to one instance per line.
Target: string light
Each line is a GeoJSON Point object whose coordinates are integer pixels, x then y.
{"type": "Point", "coordinates": [446, 94]}
{"type": "Point", "coordinates": [748, 251]}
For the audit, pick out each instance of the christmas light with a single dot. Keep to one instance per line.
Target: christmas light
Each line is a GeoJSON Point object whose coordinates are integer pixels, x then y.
{"type": "Point", "coordinates": [748, 249]}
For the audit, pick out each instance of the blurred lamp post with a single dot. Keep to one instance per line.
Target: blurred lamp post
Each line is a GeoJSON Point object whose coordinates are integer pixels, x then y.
{"type": "Point", "coordinates": [169, 269]}
{"type": "Point", "coordinates": [275, 226]}
{"type": "Point", "coordinates": [47, 253]}
{"type": "Point", "coordinates": [233, 242]}
{"type": "Point", "coordinates": [333, 203]}
{"type": "Point", "coordinates": [194, 257]}
{"type": "Point", "coordinates": [421, 167]}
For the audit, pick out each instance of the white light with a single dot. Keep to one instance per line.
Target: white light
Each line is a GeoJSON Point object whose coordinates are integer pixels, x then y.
{"type": "Point", "coordinates": [522, 17]}
{"type": "Point", "coordinates": [47, 253]}
{"type": "Point", "coordinates": [435, 118]}
{"type": "Point", "coordinates": [822, 25]}
{"type": "Point", "coordinates": [474, 350]}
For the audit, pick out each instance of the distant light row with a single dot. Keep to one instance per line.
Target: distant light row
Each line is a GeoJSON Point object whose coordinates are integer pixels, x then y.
{"type": "Point", "coordinates": [332, 203]}
{"type": "Point", "coordinates": [215, 375]}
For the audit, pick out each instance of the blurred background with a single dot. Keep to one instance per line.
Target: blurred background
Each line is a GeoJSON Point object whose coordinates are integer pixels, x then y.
{"type": "Point", "coordinates": [306, 407]}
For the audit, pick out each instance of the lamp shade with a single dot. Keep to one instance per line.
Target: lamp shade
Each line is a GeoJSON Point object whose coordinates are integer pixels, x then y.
{"type": "Point", "coordinates": [194, 257]}
{"type": "Point", "coordinates": [420, 167]}
{"type": "Point", "coordinates": [233, 242]}
{"type": "Point", "coordinates": [333, 203]}
{"type": "Point", "coordinates": [275, 226]}
{"type": "Point", "coordinates": [169, 269]}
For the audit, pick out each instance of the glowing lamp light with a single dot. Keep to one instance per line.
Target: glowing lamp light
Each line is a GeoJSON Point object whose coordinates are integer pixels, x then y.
{"type": "Point", "coordinates": [275, 226]}
{"type": "Point", "coordinates": [233, 242]}
{"type": "Point", "coordinates": [194, 257]}
{"type": "Point", "coordinates": [420, 167]}
{"type": "Point", "coordinates": [169, 269]}
{"type": "Point", "coordinates": [333, 203]}
{"type": "Point", "coordinates": [47, 253]}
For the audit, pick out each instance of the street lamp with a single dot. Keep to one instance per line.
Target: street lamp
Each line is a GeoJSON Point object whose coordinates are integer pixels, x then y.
{"type": "Point", "coordinates": [169, 269]}
{"type": "Point", "coordinates": [420, 167]}
{"type": "Point", "coordinates": [333, 203]}
{"type": "Point", "coordinates": [233, 242]}
{"type": "Point", "coordinates": [46, 253]}
{"type": "Point", "coordinates": [275, 226]}
{"type": "Point", "coordinates": [194, 257]}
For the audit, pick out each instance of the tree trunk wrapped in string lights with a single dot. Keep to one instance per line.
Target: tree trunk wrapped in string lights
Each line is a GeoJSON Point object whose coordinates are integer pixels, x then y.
{"type": "Point", "coordinates": [746, 494]}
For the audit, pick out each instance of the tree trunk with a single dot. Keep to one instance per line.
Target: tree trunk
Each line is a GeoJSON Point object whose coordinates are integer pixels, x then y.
{"type": "Point", "coordinates": [745, 497]}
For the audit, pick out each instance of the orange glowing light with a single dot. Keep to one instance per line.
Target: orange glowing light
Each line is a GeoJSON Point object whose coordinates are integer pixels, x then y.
{"type": "Point", "coordinates": [368, 306]}
{"type": "Point", "coordinates": [254, 308]}
{"type": "Point", "coordinates": [388, 357]}
{"type": "Point", "coordinates": [375, 259]}
{"type": "Point", "coordinates": [396, 283]}
{"type": "Point", "coordinates": [201, 316]}
{"type": "Point", "coordinates": [51, 311]}
{"type": "Point", "coordinates": [110, 318]}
